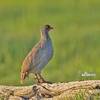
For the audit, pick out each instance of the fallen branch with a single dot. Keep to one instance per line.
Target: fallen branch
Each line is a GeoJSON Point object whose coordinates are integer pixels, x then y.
{"type": "Point", "coordinates": [51, 91]}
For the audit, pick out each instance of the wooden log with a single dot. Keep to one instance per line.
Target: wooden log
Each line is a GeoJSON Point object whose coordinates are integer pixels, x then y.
{"type": "Point", "coordinates": [46, 91]}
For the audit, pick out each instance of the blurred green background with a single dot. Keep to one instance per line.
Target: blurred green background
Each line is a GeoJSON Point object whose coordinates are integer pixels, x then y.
{"type": "Point", "coordinates": [76, 38]}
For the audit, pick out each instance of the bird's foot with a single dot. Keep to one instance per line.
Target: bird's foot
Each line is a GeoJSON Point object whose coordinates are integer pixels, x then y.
{"type": "Point", "coordinates": [47, 82]}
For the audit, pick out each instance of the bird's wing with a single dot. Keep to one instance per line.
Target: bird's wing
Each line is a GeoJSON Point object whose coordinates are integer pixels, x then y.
{"type": "Point", "coordinates": [32, 59]}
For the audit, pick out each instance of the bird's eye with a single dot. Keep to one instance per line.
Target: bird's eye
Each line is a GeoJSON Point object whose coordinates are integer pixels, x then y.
{"type": "Point", "coordinates": [47, 26]}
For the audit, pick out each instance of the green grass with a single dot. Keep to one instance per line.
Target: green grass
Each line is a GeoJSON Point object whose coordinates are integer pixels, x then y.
{"type": "Point", "coordinates": [76, 38]}
{"type": "Point", "coordinates": [80, 96]}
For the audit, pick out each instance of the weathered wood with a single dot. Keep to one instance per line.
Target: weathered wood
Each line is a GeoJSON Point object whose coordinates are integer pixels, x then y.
{"type": "Point", "coordinates": [50, 91]}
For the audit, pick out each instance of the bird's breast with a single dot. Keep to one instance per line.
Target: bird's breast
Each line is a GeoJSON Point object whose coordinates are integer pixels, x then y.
{"type": "Point", "coordinates": [47, 50]}
{"type": "Point", "coordinates": [43, 56]}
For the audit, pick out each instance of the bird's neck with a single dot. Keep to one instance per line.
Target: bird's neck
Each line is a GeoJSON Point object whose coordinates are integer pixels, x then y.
{"type": "Point", "coordinates": [45, 35]}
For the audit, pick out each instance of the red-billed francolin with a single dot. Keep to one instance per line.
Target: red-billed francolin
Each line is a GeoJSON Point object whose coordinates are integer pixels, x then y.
{"type": "Point", "coordinates": [39, 56]}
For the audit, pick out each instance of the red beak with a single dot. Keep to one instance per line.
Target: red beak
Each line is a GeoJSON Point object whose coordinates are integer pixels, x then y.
{"type": "Point", "coordinates": [51, 28]}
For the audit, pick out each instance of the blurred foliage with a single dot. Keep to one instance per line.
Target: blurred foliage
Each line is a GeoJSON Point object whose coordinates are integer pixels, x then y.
{"type": "Point", "coordinates": [76, 38]}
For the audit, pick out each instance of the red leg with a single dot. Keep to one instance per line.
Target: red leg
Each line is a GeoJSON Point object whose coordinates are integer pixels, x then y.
{"type": "Point", "coordinates": [43, 80]}
{"type": "Point", "coordinates": [37, 79]}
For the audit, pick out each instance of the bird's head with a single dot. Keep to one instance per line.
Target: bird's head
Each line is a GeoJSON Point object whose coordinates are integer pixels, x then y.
{"type": "Point", "coordinates": [46, 28]}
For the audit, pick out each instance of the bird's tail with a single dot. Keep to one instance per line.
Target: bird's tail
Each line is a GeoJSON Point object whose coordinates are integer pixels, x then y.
{"type": "Point", "coordinates": [23, 76]}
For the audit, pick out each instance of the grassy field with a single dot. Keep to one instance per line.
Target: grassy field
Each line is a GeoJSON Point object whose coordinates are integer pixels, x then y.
{"type": "Point", "coordinates": [76, 38]}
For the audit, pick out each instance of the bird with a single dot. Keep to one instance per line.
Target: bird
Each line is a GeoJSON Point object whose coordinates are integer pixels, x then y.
{"type": "Point", "coordinates": [38, 57]}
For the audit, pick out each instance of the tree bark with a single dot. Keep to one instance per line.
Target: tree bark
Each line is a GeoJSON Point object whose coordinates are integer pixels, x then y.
{"type": "Point", "coordinates": [45, 91]}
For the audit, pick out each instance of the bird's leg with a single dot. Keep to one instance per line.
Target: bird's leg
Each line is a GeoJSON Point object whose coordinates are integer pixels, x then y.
{"type": "Point", "coordinates": [43, 80]}
{"type": "Point", "coordinates": [37, 79]}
